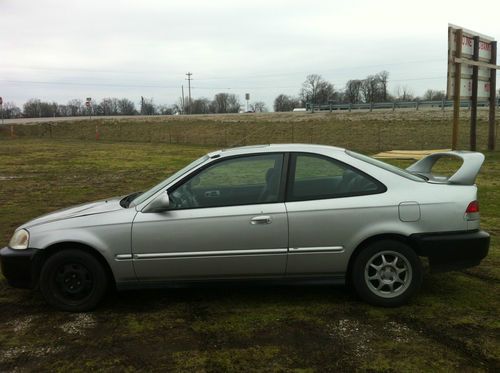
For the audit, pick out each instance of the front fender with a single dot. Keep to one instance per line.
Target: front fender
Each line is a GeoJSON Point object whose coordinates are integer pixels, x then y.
{"type": "Point", "coordinates": [108, 234]}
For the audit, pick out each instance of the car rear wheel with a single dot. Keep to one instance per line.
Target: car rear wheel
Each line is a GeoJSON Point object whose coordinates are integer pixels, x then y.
{"type": "Point", "coordinates": [73, 280]}
{"type": "Point", "coordinates": [387, 273]}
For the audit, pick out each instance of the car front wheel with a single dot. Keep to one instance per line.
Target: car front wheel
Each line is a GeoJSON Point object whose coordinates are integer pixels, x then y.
{"type": "Point", "coordinates": [73, 280]}
{"type": "Point", "coordinates": [387, 273]}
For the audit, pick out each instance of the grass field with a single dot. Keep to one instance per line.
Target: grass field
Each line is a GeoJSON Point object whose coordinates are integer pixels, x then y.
{"type": "Point", "coordinates": [363, 131]}
{"type": "Point", "coordinates": [452, 325]}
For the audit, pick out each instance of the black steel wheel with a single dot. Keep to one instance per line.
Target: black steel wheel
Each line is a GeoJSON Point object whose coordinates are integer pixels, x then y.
{"type": "Point", "coordinates": [73, 280]}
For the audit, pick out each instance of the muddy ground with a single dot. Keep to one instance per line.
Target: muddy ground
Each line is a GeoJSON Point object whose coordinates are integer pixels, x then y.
{"type": "Point", "coordinates": [453, 324]}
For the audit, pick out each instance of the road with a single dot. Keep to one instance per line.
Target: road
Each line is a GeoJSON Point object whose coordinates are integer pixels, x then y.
{"type": "Point", "coordinates": [65, 119]}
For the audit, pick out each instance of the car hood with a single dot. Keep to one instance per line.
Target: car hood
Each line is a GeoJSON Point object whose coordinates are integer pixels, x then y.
{"type": "Point", "coordinates": [92, 208]}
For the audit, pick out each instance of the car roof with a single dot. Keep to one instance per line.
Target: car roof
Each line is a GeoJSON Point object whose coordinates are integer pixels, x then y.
{"type": "Point", "coordinates": [269, 148]}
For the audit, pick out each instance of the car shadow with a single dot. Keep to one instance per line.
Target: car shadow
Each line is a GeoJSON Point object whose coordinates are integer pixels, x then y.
{"type": "Point", "coordinates": [231, 294]}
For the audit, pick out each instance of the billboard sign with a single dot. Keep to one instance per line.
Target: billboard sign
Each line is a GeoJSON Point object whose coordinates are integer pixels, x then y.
{"type": "Point", "coordinates": [466, 69]}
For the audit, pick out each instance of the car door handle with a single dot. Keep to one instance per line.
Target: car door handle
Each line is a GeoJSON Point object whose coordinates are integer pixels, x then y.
{"type": "Point", "coordinates": [261, 219]}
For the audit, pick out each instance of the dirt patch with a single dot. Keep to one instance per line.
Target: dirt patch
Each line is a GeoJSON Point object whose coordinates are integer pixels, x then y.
{"type": "Point", "coordinates": [80, 324]}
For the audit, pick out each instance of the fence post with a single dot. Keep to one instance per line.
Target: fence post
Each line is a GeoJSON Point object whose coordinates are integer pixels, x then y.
{"type": "Point", "coordinates": [371, 106]}
{"type": "Point", "coordinates": [350, 107]}
{"type": "Point", "coordinates": [330, 107]}
{"type": "Point", "coordinates": [417, 105]}
{"type": "Point", "coordinates": [394, 106]}
{"type": "Point", "coordinates": [378, 135]}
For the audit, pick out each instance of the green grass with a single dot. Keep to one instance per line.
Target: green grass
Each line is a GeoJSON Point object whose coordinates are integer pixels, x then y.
{"type": "Point", "coordinates": [451, 325]}
{"type": "Point", "coordinates": [362, 131]}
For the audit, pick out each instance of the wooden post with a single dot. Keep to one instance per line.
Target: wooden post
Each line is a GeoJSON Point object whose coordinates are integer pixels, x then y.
{"type": "Point", "coordinates": [475, 84]}
{"type": "Point", "coordinates": [493, 87]}
{"type": "Point", "coordinates": [456, 90]}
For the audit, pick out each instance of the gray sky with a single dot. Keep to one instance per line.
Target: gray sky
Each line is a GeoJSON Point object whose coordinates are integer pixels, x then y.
{"type": "Point", "coordinates": [59, 50]}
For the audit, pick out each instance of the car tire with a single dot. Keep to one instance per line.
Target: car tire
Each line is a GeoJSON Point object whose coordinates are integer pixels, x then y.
{"type": "Point", "coordinates": [386, 273]}
{"type": "Point", "coordinates": [73, 280]}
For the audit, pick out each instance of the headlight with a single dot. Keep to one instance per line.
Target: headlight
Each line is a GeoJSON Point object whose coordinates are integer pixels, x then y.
{"type": "Point", "coordinates": [20, 240]}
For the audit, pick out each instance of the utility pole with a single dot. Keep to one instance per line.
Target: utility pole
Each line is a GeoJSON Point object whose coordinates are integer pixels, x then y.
{"type": "Point", "coordinates": [189, 89]}
{"type": "Point", "coordinates": [142, 105]}
{"type": "Point", "coordinates": [183, 106]}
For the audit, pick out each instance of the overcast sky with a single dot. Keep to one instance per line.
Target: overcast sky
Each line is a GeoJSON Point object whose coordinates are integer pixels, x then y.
{"type": "Point", "coordinates": [59, 50]}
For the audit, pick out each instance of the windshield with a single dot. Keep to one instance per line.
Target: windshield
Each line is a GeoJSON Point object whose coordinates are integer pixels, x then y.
{"type": "Point", "coordinates": [385, 166]}
{"type": "Point", "coordinates": [144, 196]}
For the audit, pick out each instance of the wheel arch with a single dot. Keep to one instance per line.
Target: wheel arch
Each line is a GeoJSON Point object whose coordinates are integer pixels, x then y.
{"type": "Point", "coordinates": [368, 241]}
{"type": "Point", "coordinates": [64, 245]}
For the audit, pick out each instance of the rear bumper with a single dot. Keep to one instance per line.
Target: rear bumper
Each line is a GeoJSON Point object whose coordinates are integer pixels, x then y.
{"type": "Point", "coordinates": [20, 267]}
{"type": "Point", "coordinates": [450, 251]}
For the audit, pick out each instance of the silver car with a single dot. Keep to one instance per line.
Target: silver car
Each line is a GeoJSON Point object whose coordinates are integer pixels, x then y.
{"type": "Point", "coordinates": [274, 212]}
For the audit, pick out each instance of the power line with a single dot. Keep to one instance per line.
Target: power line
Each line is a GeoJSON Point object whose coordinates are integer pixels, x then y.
{"type": "Point", "coordinates": [230, 76]}
{"type": "Point", "coordinates": [189, 80]}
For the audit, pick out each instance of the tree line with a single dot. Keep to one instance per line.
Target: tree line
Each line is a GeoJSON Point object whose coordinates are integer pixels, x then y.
{"type": "Point", "coordinates": [374, 88]}
{"type": "Point", "coordinates": [221, 103]}
{"type": "Point", "coordinates": [314, 90]}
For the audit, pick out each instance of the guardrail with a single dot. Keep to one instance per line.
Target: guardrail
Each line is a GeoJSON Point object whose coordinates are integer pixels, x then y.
{"type": "Point", "coordinates": [441, 104]}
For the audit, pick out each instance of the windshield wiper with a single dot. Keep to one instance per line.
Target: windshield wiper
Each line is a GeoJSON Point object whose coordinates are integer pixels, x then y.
{"type": "Point", "coordinates": [125, 202]}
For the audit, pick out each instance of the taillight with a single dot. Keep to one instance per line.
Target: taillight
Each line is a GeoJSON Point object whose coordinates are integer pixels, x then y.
{"type": "Point", "coordinates": [472, 208]}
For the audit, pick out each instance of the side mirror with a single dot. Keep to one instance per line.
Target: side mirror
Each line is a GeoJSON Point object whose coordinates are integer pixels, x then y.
{"type": "Point", "coordinates": [159, 204]}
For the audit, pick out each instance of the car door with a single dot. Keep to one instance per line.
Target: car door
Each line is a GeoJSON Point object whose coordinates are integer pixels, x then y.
{"type": "Point", "coordinates": [327, 203]}
{"type": "Point", "coordinates": [227, 220]}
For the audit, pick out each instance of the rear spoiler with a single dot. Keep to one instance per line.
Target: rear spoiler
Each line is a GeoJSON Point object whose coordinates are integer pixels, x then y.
{"type": "Point", "coordinates": [465, 175]}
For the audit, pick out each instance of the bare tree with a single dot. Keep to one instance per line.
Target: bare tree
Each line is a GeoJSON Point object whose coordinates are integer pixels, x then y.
{"type": "Point", "coordinates": [165, 109]}
{"type": "Point", "coordinates": [75, 107]}
{"type": "Point", "coordinates": [200, 106]}
{"type": "Point", "coordinates": [259, 107]}
{"type": "Point", "coordinates": [433, 95]}
{"type": "Point", "coordinates": [383, 79]}
{"type": "Point", "coordinates": [126, 107]}
{"type": "Point", "coordinates": [10, 111]}
{"type": "Point", "coordinates": [285, 103]}
{"type": "Point", "coordinates": [31, 108]}
{"type": "Point", "coordinates": [370, 88]}
{"type": "Point", "coordinates": [148, 107]}
{"type": "Point", "coordinates": [225, 103]}
{"type": "Point", "coordinates": [316, 90]}
{"type": "Point", "coordinates": [353, 91]}
{"type": "Point", "coordinates": [404, 93]}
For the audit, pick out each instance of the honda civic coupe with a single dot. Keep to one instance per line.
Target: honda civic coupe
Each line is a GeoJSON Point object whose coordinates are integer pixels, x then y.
{"type": "Point", "coordinates": [272, 212]}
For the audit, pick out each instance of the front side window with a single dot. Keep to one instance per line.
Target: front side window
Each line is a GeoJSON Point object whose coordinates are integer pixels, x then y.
{"type": "Point", "coordinates": [237, 181]}
{"type": "Point", "coordinates": [318, 177]}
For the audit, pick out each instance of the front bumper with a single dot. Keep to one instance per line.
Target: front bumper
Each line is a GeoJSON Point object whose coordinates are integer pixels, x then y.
{"type": "Point", "coordinates": [450, 251]}
{"type": "Point", "coordinates": [20, 267]}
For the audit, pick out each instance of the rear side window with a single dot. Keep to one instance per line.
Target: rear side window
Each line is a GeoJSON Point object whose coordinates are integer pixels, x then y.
{"type": "Point", "coordinates": [317, 177]}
